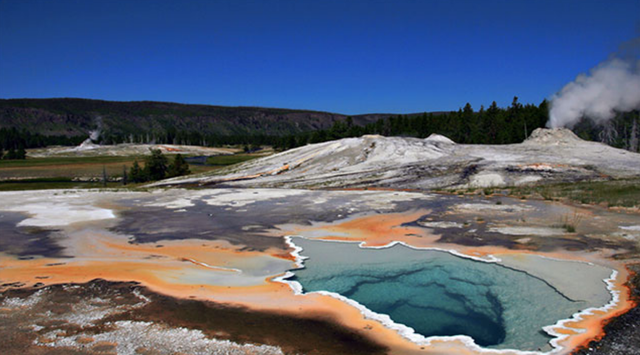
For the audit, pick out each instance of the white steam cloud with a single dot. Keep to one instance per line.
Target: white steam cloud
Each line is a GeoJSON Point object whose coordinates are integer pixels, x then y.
{"type": "Point", "coordinates": [612, 86]}
{"type": "Point", "coordinates": [95, 134]}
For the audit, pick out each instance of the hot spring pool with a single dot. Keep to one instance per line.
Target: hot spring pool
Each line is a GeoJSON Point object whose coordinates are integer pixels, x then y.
{"type": "Point", "coordinates": [440, 294]}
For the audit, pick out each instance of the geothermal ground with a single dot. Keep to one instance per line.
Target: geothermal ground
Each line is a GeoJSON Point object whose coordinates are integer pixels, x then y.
{"type": "Point", "coordinates": [89, 149]}
{"type": "Point", "coordinates": [547, 156]}
{"type": "Point", "coordinates": [264, 259]}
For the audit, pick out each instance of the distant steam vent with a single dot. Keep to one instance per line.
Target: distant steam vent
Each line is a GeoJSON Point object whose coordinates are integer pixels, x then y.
{"type": "Point", "coordinates": [94, 136]}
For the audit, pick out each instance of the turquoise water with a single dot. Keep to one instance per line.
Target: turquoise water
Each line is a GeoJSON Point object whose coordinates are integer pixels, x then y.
{"type": "Point", "coordinates": [439, 294]}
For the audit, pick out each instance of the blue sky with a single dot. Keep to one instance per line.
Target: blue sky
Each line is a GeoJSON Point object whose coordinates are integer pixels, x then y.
{"type": "Point", "coordinates": [341, 56]}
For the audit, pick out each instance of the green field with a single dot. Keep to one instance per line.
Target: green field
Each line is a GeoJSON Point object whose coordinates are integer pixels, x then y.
{"type": "Point", "coordinates": [624, 193]}
{"type": "Point", "coordinates": [64, 172]}
{"type": "Point", "coordinates": [226, 160]}
{"type": "Point", "coordinates": [32, 162]}
{"type": "Point", "coordinates": [55, 183]}
{"type": "Point", "coordinates": [612, 193]}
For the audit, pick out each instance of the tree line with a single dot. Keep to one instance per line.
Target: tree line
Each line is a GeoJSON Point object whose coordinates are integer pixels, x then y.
{"type": "Point", "coordinates": [622, 131]}
{"type": "Point", "coordinates": [493, 125]}
{"type": "Point", "coordinates": [13, 142]}
{"type": "Point", "coordinates": [188, 138]}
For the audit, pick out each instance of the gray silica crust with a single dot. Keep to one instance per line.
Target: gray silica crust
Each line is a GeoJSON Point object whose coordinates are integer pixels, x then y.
{"type": "Point", "coordinates": [26, 242]}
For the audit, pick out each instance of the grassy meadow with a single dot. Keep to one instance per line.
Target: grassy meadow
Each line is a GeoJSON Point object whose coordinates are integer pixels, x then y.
{"type": "Point", "coordinates": [87, 172]}
{"type": "Point", "coordinates": [612, 193]}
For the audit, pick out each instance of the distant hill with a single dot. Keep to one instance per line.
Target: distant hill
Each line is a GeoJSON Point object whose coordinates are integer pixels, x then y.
{"type": "Point", "coordinates": [146, 120]}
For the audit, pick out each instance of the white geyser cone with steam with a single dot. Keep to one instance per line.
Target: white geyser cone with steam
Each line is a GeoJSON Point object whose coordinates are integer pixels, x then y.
{"type": "Point", "coordinates": [93, 137]}
{"type": "Point", "coordinates": [613, 86]}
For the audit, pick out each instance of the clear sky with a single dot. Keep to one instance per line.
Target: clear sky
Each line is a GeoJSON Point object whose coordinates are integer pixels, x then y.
{"type": "Point", "coordinates": [347, 56]}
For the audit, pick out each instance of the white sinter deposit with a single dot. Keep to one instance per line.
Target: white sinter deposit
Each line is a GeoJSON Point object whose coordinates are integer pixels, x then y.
{"type": "Point", "coordinates": [549, 155]}
{"type": "Point", "coordinates": [90, 149]}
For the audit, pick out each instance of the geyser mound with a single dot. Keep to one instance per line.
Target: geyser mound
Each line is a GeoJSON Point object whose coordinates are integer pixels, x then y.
{"type": "Point", "coordinates": [553, 136]}
{"type": "Point", "coordinates": [437, 138]}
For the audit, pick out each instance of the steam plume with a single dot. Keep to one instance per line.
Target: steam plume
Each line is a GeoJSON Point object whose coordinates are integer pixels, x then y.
{"type": "Point", "coordinates": [95, 134]}
{"type": "Point", "coordinates": [612, 86]}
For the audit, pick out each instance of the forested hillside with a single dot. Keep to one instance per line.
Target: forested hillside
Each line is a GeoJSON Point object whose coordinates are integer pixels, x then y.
{"type": "Point", "coordinates": [28, 123]}
{"type": "Point", "coordinates": [162, 122]}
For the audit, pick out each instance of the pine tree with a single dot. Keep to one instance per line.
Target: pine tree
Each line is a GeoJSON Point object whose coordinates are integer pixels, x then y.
{"type": "Point", "coordinates": [349, 122]}
{"type": "Point", "coordinates": [11, 154]}
{"type": "Point", "coordinates": [21, 153]}
{"type": "Point", "coordinates": [477, 135]}
{"type": "Point", "coordinates": [155, 166]}
{"type": "Point", "coordinates": [515, 123]}
{"type": "Point", "coordinates": [136, 173]}
{"type": "Point", "coordinates": [104, 176]}
{"type": "Point", "coordinates": [124, 174]}
{"type": "Point", "coordinates": [490, 126]}
{"type": "Point", "coordinates": [318, 136]}
{"type": "Point", "coordinates": [178, 167]}
{"type": "Point", "coordinates": [467, 118]}
{"type": "Point", "coordinates": [543, 113]}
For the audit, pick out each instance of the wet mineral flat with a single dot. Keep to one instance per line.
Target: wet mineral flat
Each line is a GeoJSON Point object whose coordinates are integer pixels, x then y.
{"type": "Point", "coordinates": [229, 247]}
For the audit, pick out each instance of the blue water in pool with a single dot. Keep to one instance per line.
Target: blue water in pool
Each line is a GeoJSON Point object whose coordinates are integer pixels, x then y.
{"type": "Point", "coordinates": [438, 293]}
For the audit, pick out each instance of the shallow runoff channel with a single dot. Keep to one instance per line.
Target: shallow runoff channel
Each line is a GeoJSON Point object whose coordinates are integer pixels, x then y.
{"type": "Point", "coordinates": [504, 304]}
